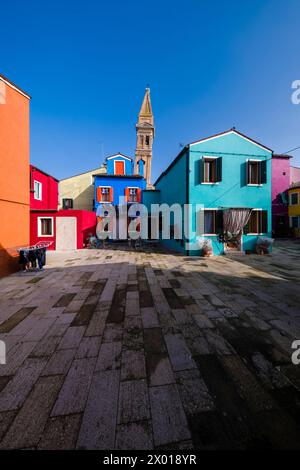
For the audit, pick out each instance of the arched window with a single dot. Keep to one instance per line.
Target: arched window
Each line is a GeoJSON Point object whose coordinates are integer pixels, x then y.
{"type": "Point", "coordinates": [141, 167]}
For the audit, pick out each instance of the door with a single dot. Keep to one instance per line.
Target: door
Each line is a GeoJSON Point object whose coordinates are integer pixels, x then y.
{"type": "Point", "coordinates": [281, 226]}
{"type": "Point", "coordinates": [66, 233]}
{"type": "Point", "coordinates": [119, 167]}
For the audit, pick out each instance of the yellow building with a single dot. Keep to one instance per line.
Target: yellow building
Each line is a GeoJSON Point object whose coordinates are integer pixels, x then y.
{"type": "Point", "coordinates": [294, 210]}
{"type": "Point", "coordinates": [76, 192]}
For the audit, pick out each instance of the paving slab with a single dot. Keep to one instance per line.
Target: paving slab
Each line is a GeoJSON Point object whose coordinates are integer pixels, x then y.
{"type": "Point", "coordinates": [25, 431]}
{"type": "Point", "coordinates": [74, 392]}
{"type": "Point", "coordinates": [98, 426]}
{"type": "Point", "coordinates": [126, 349]}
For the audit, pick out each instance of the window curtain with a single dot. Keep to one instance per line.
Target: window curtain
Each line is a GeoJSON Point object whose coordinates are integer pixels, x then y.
{"type": "Point", "coordinates": [208, 222]}
{"type": "Point", "coordinates": [234, 220]}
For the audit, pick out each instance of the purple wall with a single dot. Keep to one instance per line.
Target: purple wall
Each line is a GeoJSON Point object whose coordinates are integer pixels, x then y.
{"type": "Point", "coordinates": [280, 183]}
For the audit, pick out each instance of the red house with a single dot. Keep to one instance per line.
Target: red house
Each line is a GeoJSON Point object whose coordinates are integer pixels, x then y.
{"type": "Point", "coordinates": [43, 206]}
{"type": "Point", "coordinates": [66, 229]}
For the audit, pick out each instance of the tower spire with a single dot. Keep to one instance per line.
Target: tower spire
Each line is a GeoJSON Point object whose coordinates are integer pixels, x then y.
{"type": "Point", "coordinates": [146, 108]}
{"type": "Point", "coordinates": [144, 138]}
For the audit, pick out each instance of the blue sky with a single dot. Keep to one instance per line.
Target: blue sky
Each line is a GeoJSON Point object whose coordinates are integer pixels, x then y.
{"type": "Point", "coordinates": [210, 66]}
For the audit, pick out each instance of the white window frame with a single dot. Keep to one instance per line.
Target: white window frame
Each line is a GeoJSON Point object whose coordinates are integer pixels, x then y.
{"type": "Point", "coordinates": [209, 209]}
{"type": "Point", "coordinates": [104, 202]}
{"type": "Point", "coordinates": [290, 198]}
{"type": "Point", "coordinates": [255, 233]}
{"type": "Point", "coordinates": [209, 157]}
{"type": "Point", "coordinates": [134, 187]}
{"type": "Point", "coordinates": [258, 161]}
{"type": "Point", "coordinates": [40, 227]}
{"type": "Point", "coordinates": [41, 188]}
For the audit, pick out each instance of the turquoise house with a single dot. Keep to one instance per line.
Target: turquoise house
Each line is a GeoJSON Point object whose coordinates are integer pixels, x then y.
{"type": "Point", "coordinates": [226, 181]}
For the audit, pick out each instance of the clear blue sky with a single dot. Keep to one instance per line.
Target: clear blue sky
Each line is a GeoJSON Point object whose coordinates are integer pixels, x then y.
{"type": "Point", "coordinates": [210, 65]}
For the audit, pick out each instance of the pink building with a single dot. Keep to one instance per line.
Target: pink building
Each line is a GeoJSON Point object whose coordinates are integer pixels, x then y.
{"type": "Point", "coordinates": [294, 175]}
{"type": "Point", "coordinates": [66, 229]}
{"type": "Point", "coordinates": [280, 184]}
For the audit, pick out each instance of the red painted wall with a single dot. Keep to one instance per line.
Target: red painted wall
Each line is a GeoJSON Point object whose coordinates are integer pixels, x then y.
{"type": "Point", "coordinates": [34, 238]}
{"type": "Point", "coordinates": [49, 190]}
{"type": "Point", "coordinates": [86, 223]}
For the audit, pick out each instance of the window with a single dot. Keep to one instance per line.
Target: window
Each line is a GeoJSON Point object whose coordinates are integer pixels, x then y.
{"type": "Point", "coordinates": [294, 222]}
{"type": "Point", "coordinates": [283, 198]}
{"type": "Point", "coordinates": [213, 221]}
{"type": "Point", "coordinates": [67, 203]}
{"type": "Point", "coordinates": [37, 190]}
{"type": "Point", "coordinates": [258, 222]}
{"type": "Point", "coordinates": [294, 199]}
{"type": "Point", "coordinates": [256, 172]}
{"type": "Point", "coordinates": [45, 226]}
{"type": "Point", "coordinates": [104, 194]}
{"type": "Point", "coordinates": [211, 170]}
{"type": "Point", "coordinates": [132, 194]}
{"type": "Point", "coordinates": [147, 140]}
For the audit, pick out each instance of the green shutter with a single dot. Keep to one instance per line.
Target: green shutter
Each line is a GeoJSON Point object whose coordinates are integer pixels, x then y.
{"type": "Point", "coordinates": [264, 222]}
{"type": "Point", "coordinates": [219, 169]}
{"type": "Point", "coordinates": [200, 222]}
{"type": "Point", "coordinates": [219, 222]}
{"type": "Point", "coordinates": [263, 172]}
{"type": "Point", "coordinates": [202, 170]}
{"type": "Point", "coordinates": [283, 197]}
{"type": "Point", "coordinates": [247, 172]}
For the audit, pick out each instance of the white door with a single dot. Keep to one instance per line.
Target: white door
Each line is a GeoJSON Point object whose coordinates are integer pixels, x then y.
{"type": "Point", "coordinates": [66, 233]}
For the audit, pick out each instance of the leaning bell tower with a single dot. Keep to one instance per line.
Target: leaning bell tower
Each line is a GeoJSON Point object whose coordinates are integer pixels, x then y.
{"type": "Point", "coordinates": [144, 139]}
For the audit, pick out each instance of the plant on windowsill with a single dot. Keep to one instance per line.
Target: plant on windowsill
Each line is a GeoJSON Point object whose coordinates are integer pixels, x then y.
{"type": "Point", "coordinates": [229, 238]}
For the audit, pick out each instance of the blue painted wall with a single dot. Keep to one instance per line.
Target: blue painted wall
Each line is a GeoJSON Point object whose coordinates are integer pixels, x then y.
{"type": "Point", "coordinates": [173, 189]}
{"type": "Point", "coordinates": [232, 191]}
{"type": "Point", "coordinates": [119, 184]}
{"type": "Point", "coordinates": [110, 164]}
{"type": "Point", "coordinates": [181, 183]}
{"type": "Point", "coordinates": [150, 196]}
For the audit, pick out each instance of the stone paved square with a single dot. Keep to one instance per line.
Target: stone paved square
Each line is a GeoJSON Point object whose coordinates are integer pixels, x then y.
{"type": "Point", "coordinates": [136, 349]}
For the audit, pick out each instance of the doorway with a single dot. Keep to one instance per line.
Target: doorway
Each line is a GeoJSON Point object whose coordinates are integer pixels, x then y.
{"type": "Point", "coordinates": [66, 233]}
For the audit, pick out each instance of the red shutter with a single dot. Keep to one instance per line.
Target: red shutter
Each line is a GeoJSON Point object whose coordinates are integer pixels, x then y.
{"type": "Point", "coordinates": [139, 194]}
{"type": "Point", "coordinates": [111, 194]}
{"type": "Point", "coordinates": [99, 194]}
{"type": "Point", "coordinates": [126, 194]}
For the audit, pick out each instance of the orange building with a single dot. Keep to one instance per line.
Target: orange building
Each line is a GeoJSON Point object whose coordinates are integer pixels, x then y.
{"type": "Point", "coordinates": [14, 173]}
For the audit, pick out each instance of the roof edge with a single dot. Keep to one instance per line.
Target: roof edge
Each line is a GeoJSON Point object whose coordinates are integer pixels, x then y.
{"type": "Point", "coordinates": [234, 131]}
{"type": "Point", "coordinates": [119, 154]}
{"type": "Point", "coordinates": [14, 86]}
{"type": "Point", "coordinates": [34, 167]}
{"type": "Point", "coordinates": [173, 162]}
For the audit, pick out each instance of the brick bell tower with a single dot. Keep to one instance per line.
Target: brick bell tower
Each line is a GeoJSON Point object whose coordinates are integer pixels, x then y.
{"type": "Point", "coordinates": [144, 139]}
